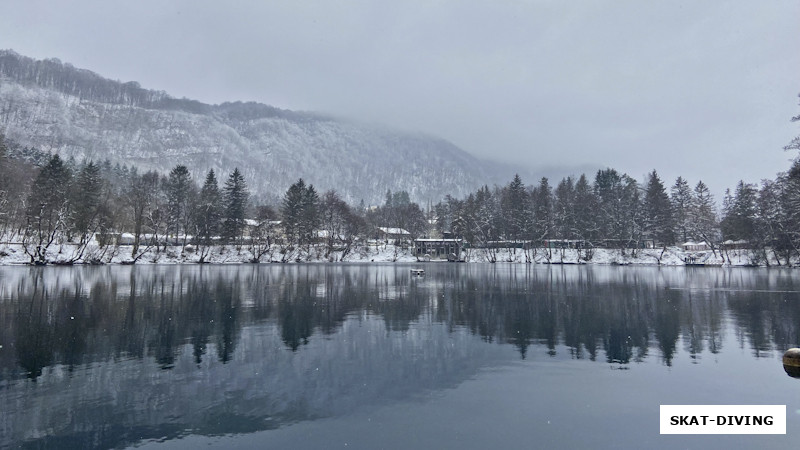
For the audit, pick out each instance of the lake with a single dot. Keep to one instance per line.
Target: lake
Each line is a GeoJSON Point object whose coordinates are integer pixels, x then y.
{"type": "Point", "coordinates": [369, 356]}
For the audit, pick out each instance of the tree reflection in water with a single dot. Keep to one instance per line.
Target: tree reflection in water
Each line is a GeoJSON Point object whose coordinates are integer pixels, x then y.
{"type": "Point", "coordinates": [123, 318]}
{"type": "Point", "coordinates": [75, 322]}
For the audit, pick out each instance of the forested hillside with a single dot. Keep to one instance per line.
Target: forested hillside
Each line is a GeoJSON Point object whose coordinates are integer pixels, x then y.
{"type": "Point", "coordinates": [57, 108]}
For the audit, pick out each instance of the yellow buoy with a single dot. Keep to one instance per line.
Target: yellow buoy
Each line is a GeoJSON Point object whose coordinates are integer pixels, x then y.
{"type": "Point", "coordinates": [791, 362]}
{"type": "Point", "coordinates": [792, 357]}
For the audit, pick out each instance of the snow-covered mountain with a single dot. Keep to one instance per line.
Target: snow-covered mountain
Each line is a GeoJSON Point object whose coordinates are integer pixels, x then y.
{"type": "Point", "coordinates": [56, 107]}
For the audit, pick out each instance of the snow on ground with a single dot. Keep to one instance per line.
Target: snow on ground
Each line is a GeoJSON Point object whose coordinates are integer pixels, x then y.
{"type": "Point", "coordinates": [14, 254]}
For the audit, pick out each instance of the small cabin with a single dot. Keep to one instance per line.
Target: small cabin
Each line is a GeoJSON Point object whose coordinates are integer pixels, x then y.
{"type": "Point", "coordinates": [396, 236]}
{"type": "Point", "coordinates": [694, 246]}
{"type": "Point", "coordinates": [391, 233]}
{"type": "Point", "coordinates": [735, 245]}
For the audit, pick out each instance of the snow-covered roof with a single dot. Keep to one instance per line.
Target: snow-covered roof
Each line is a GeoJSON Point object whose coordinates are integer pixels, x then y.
{"type": "Point", "coordinates": [390, 230]}
{"type": "Point", "coordinates": [325, 234]}
{"type": "Point", "coordinates": [437, 240]}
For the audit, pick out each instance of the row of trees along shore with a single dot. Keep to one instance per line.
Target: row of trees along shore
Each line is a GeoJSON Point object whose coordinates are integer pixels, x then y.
{"type": "Point", "coordinates": [46, 202]}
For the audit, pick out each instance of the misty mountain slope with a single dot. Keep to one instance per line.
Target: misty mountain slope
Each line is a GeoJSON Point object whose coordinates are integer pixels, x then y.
{"type": "Point", "coordinates": [77, 113]}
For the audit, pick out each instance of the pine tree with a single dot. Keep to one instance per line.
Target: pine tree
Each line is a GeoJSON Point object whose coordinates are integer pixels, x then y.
{"type": "Point", "coordinates": [309, 216]}
{"type": "Point", "coordinates": [48, 209]}
{"type": "Point", "coordinates": [790, 200]}
{"type": "Point", "coordinates": [86, 198]}
{"type": "Point", "coordinates": [619, 207]}
{"type": "Point", "coordinates": [178, 192]}
{"type": "Point", "coordinates": [291, 211]}
{"type": "Point", "coordinates": [702, 216]}
{"type": "Point", "coordinates": [740, 215]}
{"type": "Point", "coordinates": [542, 226]}
{"type": "Point", "coordinates": [564, 209]}
{"type": "Point", "coordinates": [586, 211]}
{"type": "Point", "coordinates": [208, 211]}
{"type": "Point", "coordinates": [235, 196]}
{"type": "Point", "coordinates": [768, 230]}
{"type": "Point", "coordinates": [658, 221]}
{"type": "Point", "coordinates": [681, 199]}
{"type": "Point", "coordinates": [515, 207]}
{"type": "Point", "coordinates": [486, 214]}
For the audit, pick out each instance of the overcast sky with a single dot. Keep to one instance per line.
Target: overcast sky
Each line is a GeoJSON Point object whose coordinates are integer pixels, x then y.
{"type": "Point", "coordinates": [701, 89]}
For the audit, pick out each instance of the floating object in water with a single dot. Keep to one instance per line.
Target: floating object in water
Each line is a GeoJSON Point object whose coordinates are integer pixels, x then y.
{"type": "Point", "coordinates": [791, 362]}
{"type": "Point", "coordinates": [418, 272]}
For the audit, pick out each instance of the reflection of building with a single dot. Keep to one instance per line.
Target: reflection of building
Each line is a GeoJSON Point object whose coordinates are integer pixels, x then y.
{"type": "Point", "coordinates": [439, 248]}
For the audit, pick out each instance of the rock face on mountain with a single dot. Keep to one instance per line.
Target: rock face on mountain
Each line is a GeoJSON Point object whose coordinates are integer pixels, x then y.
{"type": "Point", "coordinates": [56, 107]}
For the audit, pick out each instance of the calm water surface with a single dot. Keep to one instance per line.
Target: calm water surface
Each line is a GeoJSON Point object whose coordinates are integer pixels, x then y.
{"type": "Point", "coordinates": [358, 356]}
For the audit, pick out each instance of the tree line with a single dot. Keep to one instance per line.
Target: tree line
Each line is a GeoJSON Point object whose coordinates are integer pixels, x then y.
{"type": "Point", "coordinates": [46, 201]}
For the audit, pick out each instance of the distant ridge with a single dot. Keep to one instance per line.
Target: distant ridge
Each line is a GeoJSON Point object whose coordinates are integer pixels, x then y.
{"type": "Point", "coordinates": [58, 108]}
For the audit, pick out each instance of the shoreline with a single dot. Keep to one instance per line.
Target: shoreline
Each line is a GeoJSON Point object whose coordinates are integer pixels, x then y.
{"type": "Point", "coordinates": [69, 255]}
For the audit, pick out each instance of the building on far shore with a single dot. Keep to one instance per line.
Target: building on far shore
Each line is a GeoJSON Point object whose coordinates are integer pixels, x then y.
{"type": "Point", "coordinates": [449, 249]}
{"type": "Point", "coordinates": [695, 246]}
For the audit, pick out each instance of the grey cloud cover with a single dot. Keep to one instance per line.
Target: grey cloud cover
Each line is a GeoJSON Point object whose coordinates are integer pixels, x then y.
{"type": "Point", "coordinates": [699, 89]}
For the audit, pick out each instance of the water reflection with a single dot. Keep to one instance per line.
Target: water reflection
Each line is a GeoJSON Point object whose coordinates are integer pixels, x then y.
{"type": "Point", "coordinates": [112, 355]}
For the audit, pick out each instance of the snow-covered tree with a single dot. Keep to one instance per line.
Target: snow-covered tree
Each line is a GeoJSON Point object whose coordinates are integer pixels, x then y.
{"type": "Point", "coordinates": [658, 212]}
{"type": "Point", "coordinates": [703, 223]}
{"type": "Point", "coordinates": [85, 198]}
{"type": "Point", "coordinates": [542, 205]}
{"type": "Point", "coordinates": [235, 196]}
{"type": "Point", "coordinates": [516, 211]}
{"type": "Point", "coordinates": [564, 209]}
{"type": "Point", "coordinates": [587, 221]}
{"type": "Point", "coordinates": [681, 199]}
{"type": "Point", "coordinates": [619, 208]}
{"type": "Point", "coordinates": [179, 192]}
{"type": "Point", "coordinates": [47, 210]}
{"type": "Point", "coordinates": [740, 214]}
{"type": "Point", "coordinates": [207, 214]}
{"type": "Point", "coordinates": [143, 197]}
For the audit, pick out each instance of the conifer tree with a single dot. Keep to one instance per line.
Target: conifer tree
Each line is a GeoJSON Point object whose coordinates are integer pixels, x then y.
{"type": "Point", "coordinates": [619, 207]}
{"type": "Point", "coordinates": [586, 205]}
{"type": "Point", "coordinates": [208, 211]}
{"type": "Point", "coordinates": [48, 209]}
{"type": "Point", "coordinates": [681, 199]}
{"type": "Point", "coordinates": [564, 209]}
{"type": "Point", "coordinates": [516, 212]}
{"type": "Point", "coordinates": [542, 197]}
{"type": "Point", "coordinates": [235, 196]}
{"type": "Point", "coordinates": [179, 192]}
{"type": "Point", "coordinates": [659, 222]}
{"type": "Point", "coordinates": [703, 217]}
{"type": "Point", "coordinates": [309, 216]}
{"type": "Point", "coordinates": [790, 200]}
{"type": "Point", "coordinates": [86, 198]}
{"type": "Point", "coordinates": [291, 211]}
{"type": "Point", "coordinates": [740, 214]}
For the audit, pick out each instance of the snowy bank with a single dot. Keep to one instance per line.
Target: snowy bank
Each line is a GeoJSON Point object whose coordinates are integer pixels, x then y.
{"type": "Point", "coordinates": [14, 254]}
